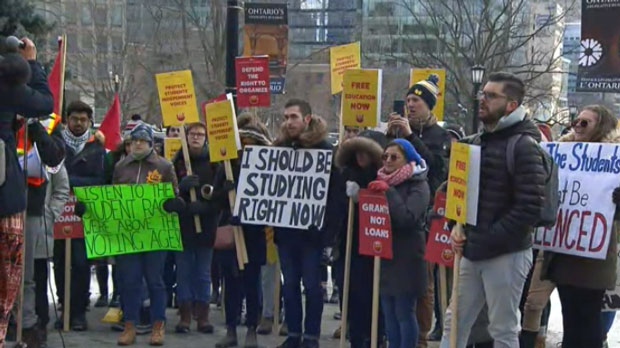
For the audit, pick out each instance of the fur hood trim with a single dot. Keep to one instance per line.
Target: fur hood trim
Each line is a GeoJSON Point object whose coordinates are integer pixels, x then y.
{"type": "Point", "coordinates": [314, 134]}
{"type": "Point", "coordinates": [612, 137]}
{"type": "Point", "coordinates": [345, 157]}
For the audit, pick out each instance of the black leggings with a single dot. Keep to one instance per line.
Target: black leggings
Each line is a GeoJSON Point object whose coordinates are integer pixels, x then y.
{"type": "Point", "coordinates": [581, 316]}
{"type": "Point", "coordinates": [41, 303]}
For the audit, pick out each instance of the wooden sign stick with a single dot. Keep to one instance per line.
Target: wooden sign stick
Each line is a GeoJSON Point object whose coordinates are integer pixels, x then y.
{"type": "Point", "coordinates": [242, 254]}
{"type": "Point", "coordinates": [66, 306]}
{"type": "Point", "coordinates": [188, 168]}
{"type": "Point", "coordinates": [347, 276]}
{"type": "Point", "coordinates": [455, 294]}
{"type": "Point", "coordinates": [374, 327]}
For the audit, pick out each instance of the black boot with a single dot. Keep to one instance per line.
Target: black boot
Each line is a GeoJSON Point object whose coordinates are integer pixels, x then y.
{"type": "Point", "coordinates": [527, 339]}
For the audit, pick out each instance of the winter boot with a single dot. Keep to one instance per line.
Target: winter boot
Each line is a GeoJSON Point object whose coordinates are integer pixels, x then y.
{"type": "Point", "coordinates": [128, 337]}
{"type": "Point", "coordinates": [230, 340]}
{"type": "Point", "coordinates": [203, 323]}
{"type": "Point", "coordinates": [31, 337]}
{"type": "Point", "coordinates": [291, 342]}
{"type": "Point", "coordinates": [265, 327]}
{"type": "Point", "coordinates": [527, 339]}
{"type": "Point", "coordinates": [250, 338]}
{"type": "Point", "coordinates": [185, 311]}
{"type": "Point", "coordinates": [158, 334]}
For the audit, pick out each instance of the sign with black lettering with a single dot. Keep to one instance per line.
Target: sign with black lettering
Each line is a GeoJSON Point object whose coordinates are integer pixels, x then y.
{"type": "Point", "coordinates": [283, 187]}
{"type": "Point", "coordinates": [588, 174]}
{"type": "Point", "coordinates": [128, 219]}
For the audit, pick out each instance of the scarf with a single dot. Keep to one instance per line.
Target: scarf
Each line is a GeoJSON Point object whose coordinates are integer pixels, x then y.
{"type": "Point", "coordinates": [75, 142]}
{"type": "Point", "coordinates": [398, 176]}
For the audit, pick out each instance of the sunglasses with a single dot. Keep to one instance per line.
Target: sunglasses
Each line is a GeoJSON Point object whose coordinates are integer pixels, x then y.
{"type": "Point", "coordinates": [580, 123]}
{"type": "Point", "coordinates": [391, 157]}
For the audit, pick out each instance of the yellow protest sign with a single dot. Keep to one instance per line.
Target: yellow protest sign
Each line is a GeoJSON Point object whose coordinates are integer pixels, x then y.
{"type": "Point", "coordinates": [222, 131]}
{"type": "Point", "coordinates": [177, 98]}
{"type": "Point", "coordinates": [423, 74]}
{"type": "Point", "coordinates": [171, 147]}
{"type": "Point", "coordinates": [463, 181]}
{"type": "Point", "coordinates": [361, 98]}
{"type": "Point", "coordinates": [342, 58]}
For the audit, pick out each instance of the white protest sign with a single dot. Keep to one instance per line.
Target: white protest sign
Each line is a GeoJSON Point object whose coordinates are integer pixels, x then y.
{"type": "Point", "coordinates": [283, 187]}
{"type": "Point", "coordinates": [34, 164]}
{"type": "Point", "coordinates": [588, 173]}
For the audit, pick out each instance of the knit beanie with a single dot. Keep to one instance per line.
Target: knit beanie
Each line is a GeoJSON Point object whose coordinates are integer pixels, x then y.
{"type": "Point", "coordinates": [251, 127]}
{"type": "Point", "coordinates": [142, 132]}
{"type": "Point", "coordinates": [427, 90]}
{"type": "Point", "coordinates": [411, 155]}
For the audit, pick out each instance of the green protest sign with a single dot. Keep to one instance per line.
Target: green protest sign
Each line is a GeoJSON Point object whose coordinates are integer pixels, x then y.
{"type": "Point", "coordinates": [128, 219]}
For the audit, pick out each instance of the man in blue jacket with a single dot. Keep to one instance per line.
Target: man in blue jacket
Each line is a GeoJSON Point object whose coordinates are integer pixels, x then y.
{"type": "Point", "coordinates": [84, 161]}
{"type": "Point", "coordinates": [23, 92]}
{"type": "Point", "coordinates": [300, 250]}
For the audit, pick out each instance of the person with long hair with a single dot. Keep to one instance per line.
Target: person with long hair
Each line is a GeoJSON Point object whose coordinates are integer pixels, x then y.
{"type": "Point", "coordinates": [581, 281]}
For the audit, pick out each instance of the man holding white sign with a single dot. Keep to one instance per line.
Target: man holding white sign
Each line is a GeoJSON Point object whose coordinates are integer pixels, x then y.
{"type": "Point", "coordinates": [290, 187]}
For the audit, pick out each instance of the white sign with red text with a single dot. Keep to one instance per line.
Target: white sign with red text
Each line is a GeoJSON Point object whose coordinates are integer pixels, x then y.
{"type": "Point", "coordinates": [588, 174]}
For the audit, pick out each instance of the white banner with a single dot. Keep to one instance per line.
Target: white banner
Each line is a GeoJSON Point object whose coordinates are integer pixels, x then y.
{"type": "Point", "coordinates": [588, 174]}
{"type": "Point", "coordinates": [283, 187]}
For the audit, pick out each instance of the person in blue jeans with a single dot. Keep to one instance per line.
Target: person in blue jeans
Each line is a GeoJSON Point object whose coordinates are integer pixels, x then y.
{"type": "Point", "coordinates": [193, 264]}
{"type": "Point", "coordinates": [403, 278]}
{"type": "Point", "coordinates": [301, 249]}
{"type": "Point", "coordinates": [607, 318]}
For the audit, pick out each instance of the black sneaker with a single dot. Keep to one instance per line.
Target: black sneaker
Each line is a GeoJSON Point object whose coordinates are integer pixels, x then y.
{"type": "Point", "coordinates": [291, 342]}
{"type": "Point", "coordinates": [309, 343]}
{"type": "Point", "coordinates": [79, 323]}
{"type": "Point", "coordinates": [102, 301]}
{"type": "Point", "coordinates": [115, 301]}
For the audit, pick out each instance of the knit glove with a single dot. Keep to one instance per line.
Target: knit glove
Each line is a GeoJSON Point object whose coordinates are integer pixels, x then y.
{"type": "Point", "coordinates": [189, 182]}
{"type": "Point", "coordinates": [379, 186]}
{"type": "Point", "coordinates": [79, 209]}
{"type": "Point", "coordinates": [353, 190]}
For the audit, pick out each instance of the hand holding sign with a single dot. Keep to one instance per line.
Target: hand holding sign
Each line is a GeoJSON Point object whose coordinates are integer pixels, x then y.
{"type": "Point", "coordinates": [379, 186]}
{"type": "Point", "coordinates": [458, 239]}
{"type": "Point", "coordinates": [79, 209]}
{"type": "Point", "coordinates": [174, 205]}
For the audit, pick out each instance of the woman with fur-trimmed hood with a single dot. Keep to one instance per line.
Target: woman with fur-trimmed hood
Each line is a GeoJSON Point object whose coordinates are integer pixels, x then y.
{"type": "Point", "coordinates": [358, 159]}
{"type": "Point", "coordinates": [581, 282]}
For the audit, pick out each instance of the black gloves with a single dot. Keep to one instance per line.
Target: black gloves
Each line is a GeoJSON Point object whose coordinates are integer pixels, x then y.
{"type": "Point", "coordinates": [174, 205]}
{"type": "Point", "coordinates": [198, 208]}
{"type": "Point", "coordinates": [235, 221]}
{"type": "Point", "coordinates": [615, 196]}
{"type": "Point", "coordinates": [79, 209]}
{"type": "Point", "coordinates": [189, 182]}
{"type": "Point", "coordinates": [228, 186]}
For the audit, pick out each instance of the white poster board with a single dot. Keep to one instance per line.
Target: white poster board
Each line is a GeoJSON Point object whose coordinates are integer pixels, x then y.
{"type": "Point", "coordinates": [588, 174]}
{"type": "Point", "coordinates": [283, 187]}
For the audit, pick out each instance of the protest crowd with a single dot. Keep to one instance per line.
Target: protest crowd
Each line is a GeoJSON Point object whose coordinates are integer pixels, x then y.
{"type": "Point", "coordinates": [200, 233]}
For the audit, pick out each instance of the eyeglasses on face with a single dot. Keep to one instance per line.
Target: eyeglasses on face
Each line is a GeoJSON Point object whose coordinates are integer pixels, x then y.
{"type": "Point", "coordinates": [580, 123]}
{"type": "Point", "coordinates": [490, 95]}
{"type": "Point", "coordinates": [196, 135]}
{"type": "Point", "coordinates": [390, 157]}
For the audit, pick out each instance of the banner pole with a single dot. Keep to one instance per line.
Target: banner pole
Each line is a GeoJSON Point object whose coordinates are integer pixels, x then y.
{"type": "Point", "coordinates": [66, 306]}
{"type": "Point", "coordinates": [242, 254]}
{"type": "Point", "coordinates": [374, 332]}
{"type": "Point", "coordinates": [188, 168]}
{"type": "Point", "coordinates": [455, 294]}
{"type": "Point", "coordinates": [347, 276]}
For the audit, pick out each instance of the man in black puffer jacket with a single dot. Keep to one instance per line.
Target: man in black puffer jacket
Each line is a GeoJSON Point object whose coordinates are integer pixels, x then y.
{"type": "Point", "coordinates": [497, 253]}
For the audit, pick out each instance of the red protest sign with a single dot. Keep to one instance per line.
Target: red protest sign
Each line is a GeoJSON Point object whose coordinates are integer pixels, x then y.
{"type": "Point", "coordinates": [253, 81]}
{"type": "Point", "coordinates": [438, 248]}
{"type": "Point", "coordinates": [375, 233]}
{"type": "Point", "coordinates": [68, 225]}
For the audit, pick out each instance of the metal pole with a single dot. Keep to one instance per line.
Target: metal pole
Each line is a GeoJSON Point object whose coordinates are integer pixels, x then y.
{"type": "Point", "coordinates": [476, 104]}
{"type": "Point", "coordinates": [233, 10]}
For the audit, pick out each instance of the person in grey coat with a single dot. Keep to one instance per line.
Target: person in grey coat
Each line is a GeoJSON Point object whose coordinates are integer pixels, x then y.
{"type": "Point", "coordinates": [403, 279]}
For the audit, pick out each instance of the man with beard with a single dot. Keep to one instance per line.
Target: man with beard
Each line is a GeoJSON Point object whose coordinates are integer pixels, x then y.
{"type": "Point", "coordinates": [432, 142]}
{"type": "Point", "coordinates": [497, 252]}
{"type": "Point", "coordinates": [84, 161]}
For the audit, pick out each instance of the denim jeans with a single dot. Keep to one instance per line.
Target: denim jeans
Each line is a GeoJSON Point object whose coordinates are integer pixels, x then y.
{"type": "Point", "coordinates": [194, 275]}
{"type": "Point", "coordinates": [302, 263]}
{"type": "Point", "coordinates": [401, 324]}
{"type": "Point", "coordinates": [132, 270]}
{"type": "Point", "coordinates": [498, 282]}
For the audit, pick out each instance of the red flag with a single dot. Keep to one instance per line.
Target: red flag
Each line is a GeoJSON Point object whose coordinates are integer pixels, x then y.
{"type": "Point", "coordinates": [56, 78]}
{"type": "Point", "coordinates": [111, 125]}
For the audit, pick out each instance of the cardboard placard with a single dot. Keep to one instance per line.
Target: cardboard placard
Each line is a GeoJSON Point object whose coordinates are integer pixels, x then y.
{"type": "Point", "coordinates": [361, 98]}
{"type": "Point", "coordinates": [127, 219]}
{"type": "Point", "coordinates": [438, 247]}
{"type": "Point", "coordinates": [253, 89]}
{"type": "Point", "coordinates": [171, 147]}
{"type": "Point", "coordinates": [463, 184]}
{"type": "Point", "coordinates": [68, 225]}
{"type": "Point", "coordinates": [222, 131]}
{"type": "Point", "coordinates": [177, 98]}
{"type": "Point", "coordinates": [375, 227]}
{"type": "Point", "coordinates": [342, 58]}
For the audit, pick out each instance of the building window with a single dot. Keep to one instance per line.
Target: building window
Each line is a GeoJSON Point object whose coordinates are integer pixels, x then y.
{"type": "Point", "coordinates": [117, 16]}
{"type": "Point", "coordinates": [101, 16]}
{"type": "Point", "coordinates": [87, 15]}
{"type": "Point", "coordinates": [102, 44]}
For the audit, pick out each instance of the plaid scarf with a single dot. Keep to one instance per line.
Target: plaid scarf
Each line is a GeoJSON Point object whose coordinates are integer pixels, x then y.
{"type": "Point", "coordinates": [75, 142]}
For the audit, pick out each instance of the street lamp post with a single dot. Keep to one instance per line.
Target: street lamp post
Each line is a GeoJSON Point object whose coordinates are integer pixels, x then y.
{"type": "Point", "coordinates": [477, 75]}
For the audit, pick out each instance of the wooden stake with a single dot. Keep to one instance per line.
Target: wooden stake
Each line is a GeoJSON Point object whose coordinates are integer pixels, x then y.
{"type": "Point", "coordinates": [347, 276]}
{"type": "Point", "coordinates": [276, 299]}
{"type": "Point", "coordinates": [443, 290]}
{"type": "Point", "coordinates": [188, 168]}
{"type": "Point", "coordinates": [374, 333]}
{"type": "Point", "coordinates": [66, 306]}
{"type": "Point", "coordinates": [454, 305]}
{"type": "Point", "coordinates": [242, 254]}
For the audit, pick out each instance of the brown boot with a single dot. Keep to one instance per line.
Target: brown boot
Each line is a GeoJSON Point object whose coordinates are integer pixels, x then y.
{"type": "Point", "coordinates": [157, 336]}
{"type": "Point", "coordinates": [203, 324]}
{"type": "Point", "coordinates": [185, 311]}
{"type": "Point", "coordinates": [128, 336]}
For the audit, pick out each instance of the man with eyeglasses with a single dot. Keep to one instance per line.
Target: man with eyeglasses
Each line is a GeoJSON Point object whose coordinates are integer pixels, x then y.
{"type": "Point", "coordinates": [84, 161]}
{"type": "Point", "coordinates": [497, 252]}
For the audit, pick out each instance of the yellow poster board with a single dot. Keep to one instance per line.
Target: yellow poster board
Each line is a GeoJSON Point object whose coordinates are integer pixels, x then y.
{"type": "Point", "coordinates": [342, 58]}
{"type": "Point", "coordinates": [361, 98]}
{"type": "Point", "coordinates": [418, 75]}
{"type": "Point", "coordinates": [222, 132]}
{"type": "Point", "coordinates": [177, 98]}
{"type": "Point", "coordinates": [463, 184]}
{"type": "Point", "coordinates": [171, 147]}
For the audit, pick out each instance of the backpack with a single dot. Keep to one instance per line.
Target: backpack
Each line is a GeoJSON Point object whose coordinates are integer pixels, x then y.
{"type": "Point", "coordinates": [551, 204]}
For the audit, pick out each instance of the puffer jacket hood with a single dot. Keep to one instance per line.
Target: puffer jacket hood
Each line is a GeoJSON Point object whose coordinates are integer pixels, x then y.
{"type": "Point", "coordinates": [312, 137]}
{"type": "Point", "coordinates": [345, 157]}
